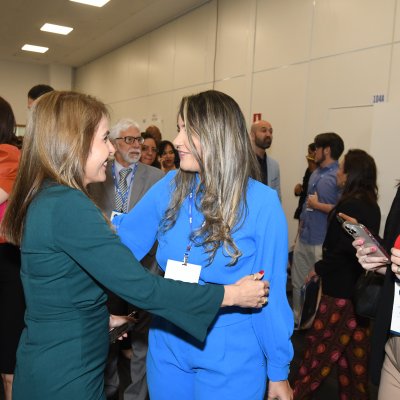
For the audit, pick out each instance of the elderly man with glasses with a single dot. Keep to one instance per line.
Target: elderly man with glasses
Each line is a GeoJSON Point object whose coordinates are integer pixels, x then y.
{"type": "Point", "coordinates": [126, 183]}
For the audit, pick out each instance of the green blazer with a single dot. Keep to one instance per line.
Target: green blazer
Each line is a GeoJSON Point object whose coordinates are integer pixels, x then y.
{"type": "Point", "coordinates": [68, 254]}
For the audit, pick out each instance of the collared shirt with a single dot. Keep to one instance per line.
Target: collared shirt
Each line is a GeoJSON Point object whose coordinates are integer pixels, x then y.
{"type": "Point", "coordinates": [264, 169]}
{"type": "Point", "coordinates": [314, 222]}
{"type": "Point", "coordinates": [118, 167]}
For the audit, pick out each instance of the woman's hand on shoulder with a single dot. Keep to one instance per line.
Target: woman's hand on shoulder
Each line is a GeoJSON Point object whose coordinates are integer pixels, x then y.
{"type": "Point", "coordinates": [279, 390]}
{"type": "Point", "coordinates": [249, 291]}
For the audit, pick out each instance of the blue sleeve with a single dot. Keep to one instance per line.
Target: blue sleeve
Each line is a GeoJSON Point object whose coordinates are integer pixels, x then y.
{"type": "Point", "coordinates": [273, 324]}
{"type": "Point", "coordinates": [138, 229]}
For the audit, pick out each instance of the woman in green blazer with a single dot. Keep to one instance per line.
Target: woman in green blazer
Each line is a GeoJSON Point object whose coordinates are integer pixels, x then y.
{"type": "Point", "coordinates": [69, 253]}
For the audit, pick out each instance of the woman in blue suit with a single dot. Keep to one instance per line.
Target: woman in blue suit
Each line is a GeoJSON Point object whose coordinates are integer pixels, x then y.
{"type": "Point", "coordinates": [69, 254]}
{"type": "Point", "coordinates": [214, 223]}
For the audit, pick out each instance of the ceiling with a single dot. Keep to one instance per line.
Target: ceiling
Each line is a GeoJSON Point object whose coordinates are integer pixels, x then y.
{"type": "Point", "coordinates": [97, 31]}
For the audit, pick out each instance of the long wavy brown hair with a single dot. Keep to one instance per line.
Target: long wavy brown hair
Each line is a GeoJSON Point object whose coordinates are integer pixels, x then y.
{"type": "Point", "coordinates": [58, 138]}
{"type": "Point", "coordinates": [227, 161]}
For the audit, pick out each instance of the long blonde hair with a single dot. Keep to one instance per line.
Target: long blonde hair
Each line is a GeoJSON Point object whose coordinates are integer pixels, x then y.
{"type": "Point", "coordinates": [226, 164]}
{"type": "Point", "coordinates": [58, 138]}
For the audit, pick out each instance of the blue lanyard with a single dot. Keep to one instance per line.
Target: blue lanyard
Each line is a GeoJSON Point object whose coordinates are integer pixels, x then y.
{"type": "Point", "coordinates": [189, 246]}
{"type": "Point", "coordinates": [125, 196]}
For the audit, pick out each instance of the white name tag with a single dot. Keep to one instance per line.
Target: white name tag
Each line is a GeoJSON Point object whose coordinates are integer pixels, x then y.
{"type": "Point", "coordinates": [185, 273]}
{"type": "Point", "coordinates": [395, 326]}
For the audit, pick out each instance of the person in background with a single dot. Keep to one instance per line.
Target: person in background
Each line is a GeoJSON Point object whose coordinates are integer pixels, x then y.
{"type": "Point", "coordinates": [149, 151]}
{"type": "Point", "coordinates": [168, 156]}
{"type": "Point", "coordinates": [213, 217]}
{"type": "Point", "coordinates": [36, 91]}
{"type": "Point", "coordinates": [261, 137]}
{"type": "Point", "coordinates": [339, 336]}
{"type": "Point", "coordinates": [127, 180]}
{"type": "Point", "coordinates": [300, 189]}
{"type": "Point", "coordinates": [69, 254]}
{"type": "Point", "coordinates": [154, 131]}
{"type": "Point", "coordinates": [385, 342]}
{"type": "Point", "coordinates": [322, 195]}
{"type": "Point", "coordinates": [12, 305]}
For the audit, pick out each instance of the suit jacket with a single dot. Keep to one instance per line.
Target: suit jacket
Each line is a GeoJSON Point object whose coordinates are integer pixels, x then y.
{"type": "Point", "coordinates": [274, 179]}
{"type": "Point", "coordinates": [103, 193]}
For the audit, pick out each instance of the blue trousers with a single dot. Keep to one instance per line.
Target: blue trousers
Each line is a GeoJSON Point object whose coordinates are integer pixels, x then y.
{"type": "Point", "coordinates": [229, 365]}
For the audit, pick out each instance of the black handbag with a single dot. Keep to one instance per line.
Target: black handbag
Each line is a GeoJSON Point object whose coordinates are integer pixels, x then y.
{"type": "Point", "coordinates": [366, 294]}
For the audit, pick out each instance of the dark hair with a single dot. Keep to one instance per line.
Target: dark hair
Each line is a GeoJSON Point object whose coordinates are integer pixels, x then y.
{"type": "Point", "coordinates": [161, 147]}
{"type": "Point", "coordinates": [311, 146]}
{"type": "Point", "coordinates": [332, 140]}
{"type": "Point", "coordinates": [7, 124]}
{"type": "Point", "coordinates": [155, 132]}
{"type": "Point", "coordinates": [361, 173]}
{"type": "Point", "coordinates": [39, 90]}
{"type": "Point", "coordinates": [147, 135]}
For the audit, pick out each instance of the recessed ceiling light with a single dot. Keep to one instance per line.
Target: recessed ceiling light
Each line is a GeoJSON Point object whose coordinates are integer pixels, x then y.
{"type": "Point", "coordinates": [62, 30]}
{"type": "Point", "coordinates": [36, 49]}
{"type": "Point", "coordinates": [96, 3]}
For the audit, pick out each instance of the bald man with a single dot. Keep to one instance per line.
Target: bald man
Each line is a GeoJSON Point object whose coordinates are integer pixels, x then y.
{"type": "Point", "coordinates": [261, 138]}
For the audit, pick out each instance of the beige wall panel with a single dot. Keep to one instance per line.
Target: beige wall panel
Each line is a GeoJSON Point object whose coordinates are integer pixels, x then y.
{"type": "Point", "coordinates": [397, 23]}
{"type": "Point", "coordinates": [394, 88]}
{"type": "Point", "coordinates": [135, 83]}
{"type": "Point", "coordinates": [349, 80]}
{"type": "Point", "coordinates": [161, 59]}
{"type": "Point", "coordinates": [159, 107]}
{"type": "Point", "coordinates": [195, 47]}
{"type": "Point", "coordinates": [385, 145]}
{"type": "Point", "coordinates": [234, 35]}
{"type": "Point", "coordinates": [175, 100]}
{"type": "Point", "coordinates": [99, 78]}
{"type": "Point", "coordinates": [353, 124]}
{"type": "Point", "coordinates": [283, 33]}
{"type": "Point", "coordinates": [236, 88]}
{"type": "Point", "coordinates": [280, 96]}
{"type": "Point", "coordinates": [15, 81]}
{"type": "Point", "coordinates": [344, 25]}
{"type": "Point", "coordinates": [134, 108]}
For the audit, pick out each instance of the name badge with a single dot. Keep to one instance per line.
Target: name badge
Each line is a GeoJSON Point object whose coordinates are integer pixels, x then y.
{"type": "Point", "coordinates": [177, 271]}
{"type": "Point", "coordinates": [395, 326]}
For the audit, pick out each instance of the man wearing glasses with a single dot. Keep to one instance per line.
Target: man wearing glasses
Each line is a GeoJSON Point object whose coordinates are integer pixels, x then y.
{"type": "Point", "coordinates": [127, 180]}
{"type": "Point", "coordinates": [261, 138]}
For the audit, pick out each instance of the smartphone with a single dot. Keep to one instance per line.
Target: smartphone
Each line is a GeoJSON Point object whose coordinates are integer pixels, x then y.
{"type": "Point", "coordinates": [359, 231]}
{"type": "Point", "coordinates": [116, 332]}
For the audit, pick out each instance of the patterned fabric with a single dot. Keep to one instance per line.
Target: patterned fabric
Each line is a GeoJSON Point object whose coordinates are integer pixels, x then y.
{"type": "Point", "coordinates": [121, 203]}
{"type": "Point", "coordinates": [335, 338]}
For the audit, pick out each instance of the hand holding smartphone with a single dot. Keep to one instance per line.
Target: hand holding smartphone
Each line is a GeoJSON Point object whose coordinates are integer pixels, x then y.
{"type": "Point", "coordinates": [118, 331]}
{"type": "Point", "coordinates": [359, 231]}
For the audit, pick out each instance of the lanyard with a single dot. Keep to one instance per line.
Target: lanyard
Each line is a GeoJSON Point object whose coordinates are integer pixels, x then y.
{"type": "Point", "coordinates": [189, 246]}
{"type": "Point", "coordinates": [125, 196]}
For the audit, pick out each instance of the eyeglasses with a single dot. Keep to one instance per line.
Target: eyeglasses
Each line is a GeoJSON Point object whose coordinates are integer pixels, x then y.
{"type": "Point", "coordinates": [149, 148]}
{"type": "Point", "coordinates": [131, 139]}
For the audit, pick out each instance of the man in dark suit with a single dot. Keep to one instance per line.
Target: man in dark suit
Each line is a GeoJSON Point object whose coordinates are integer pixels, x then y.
{"type": "Point", "coordinates": [261, 138]}
{"type": "Point", "coordinates": [126, 183]}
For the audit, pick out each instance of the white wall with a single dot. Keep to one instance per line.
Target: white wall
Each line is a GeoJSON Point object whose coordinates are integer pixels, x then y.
{"type": "Point", "coordinates": [307, 65]}
{"type": "Point", "coordinates": [17, 78]}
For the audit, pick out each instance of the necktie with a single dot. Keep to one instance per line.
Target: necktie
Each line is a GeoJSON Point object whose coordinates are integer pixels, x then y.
{"type": "Point", "coordinates": [121, 203]}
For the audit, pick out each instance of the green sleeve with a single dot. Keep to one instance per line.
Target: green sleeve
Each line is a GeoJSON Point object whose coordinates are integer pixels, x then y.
{"type": "Point", "coordinates": [81, 231]}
